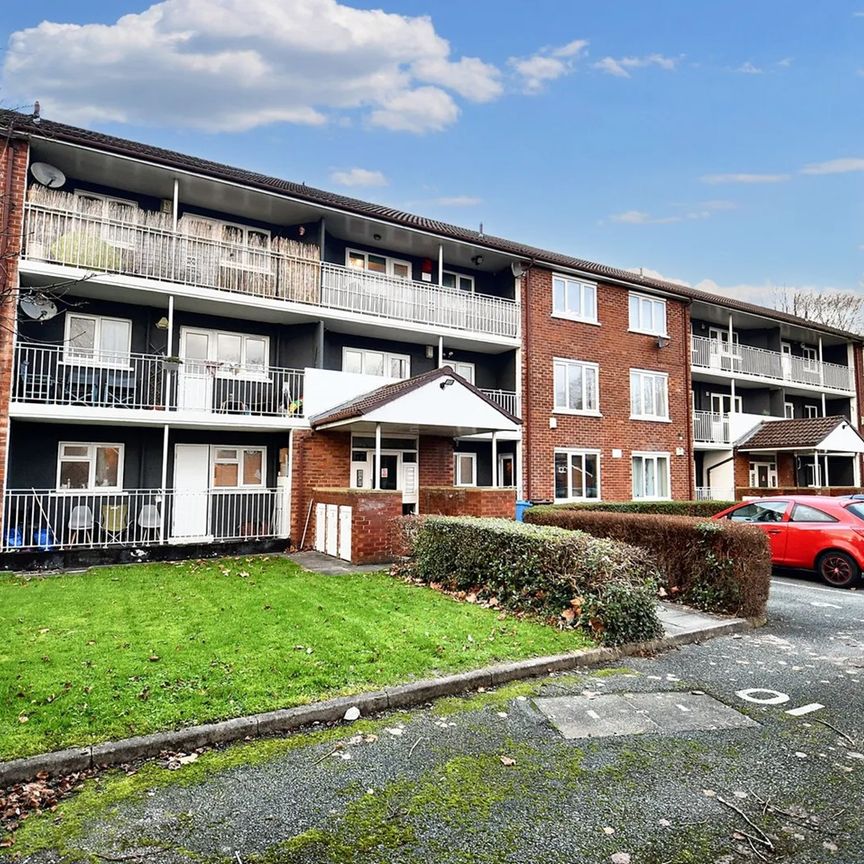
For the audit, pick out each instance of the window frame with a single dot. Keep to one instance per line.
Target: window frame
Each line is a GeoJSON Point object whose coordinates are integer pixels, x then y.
{"type": "Point", "coordinates": [240, 462]}
{"type": "Point", "coordinates": [654, 301]}
{"type": "Point", "coordinates": [247, 260]}
{"type": "Point", "coordinates": [810, 355]}
{"type": "Point", "coordinates": [456, 277]}
{"type": "Point", "coordinates": [583, 366]}
{"type": "Point", "coordinates": [90, 458]}
{"type": "Point", "coordinates": [796, 507]}
{"type": "Point", "coordinates": [570, 452]}
{"type": "Point", "coordinates": [458, 455]}
{"type": "Point", "coordinates": [753, 473]}
{"type": "Point", "coordinates": [811, 412]}
{"type": "Point", "coordinates": [390, 260]}
{"type": "Point", "coordinates": [788, 410]}
{"type": "Point", "coordinates": [658, 376]}
{"type": "Point", "coordinates": [98, 355]}
{"type": "Point", "coordinates": [654, 456]}
{"type": "Point", "coordinates": [388, 357]}
{"type": "Point", "coordinates": [566, 313]}
{"type": "Point", "coordinates": [226, 368]}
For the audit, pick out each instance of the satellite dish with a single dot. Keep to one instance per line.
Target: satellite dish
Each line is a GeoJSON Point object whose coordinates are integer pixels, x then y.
{"type": "Point", "coordinates": [38, 307]}
{"type": "Point", "coordinates": [518, 269]}
{"type": "Point", "coordinates": [48, 175]}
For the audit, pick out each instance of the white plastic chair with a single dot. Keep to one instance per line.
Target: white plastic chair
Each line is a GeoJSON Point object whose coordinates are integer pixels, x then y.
{"type": "Point", "coordinates": [150, 519]}
{"type": "Point", "coordinates": [81, 522]}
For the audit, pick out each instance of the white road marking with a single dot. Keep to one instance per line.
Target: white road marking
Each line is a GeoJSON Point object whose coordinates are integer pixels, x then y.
{"type": "Point", "coordinates": [824, 605]}
{"type": "Point", "coordinates": [593, 715]}
{"type": "Point", "coordinates": [684, 708]}
{"type": "Point", "coordinates": [805, 709]}
{"type": "Point", "coordinates": [774, 697]}
{"type": "Point", "coordinates": [838, 593]}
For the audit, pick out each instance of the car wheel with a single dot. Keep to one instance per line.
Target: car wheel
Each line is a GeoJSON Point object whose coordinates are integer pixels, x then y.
{"type": "Point", "coordinates": [837, 569]}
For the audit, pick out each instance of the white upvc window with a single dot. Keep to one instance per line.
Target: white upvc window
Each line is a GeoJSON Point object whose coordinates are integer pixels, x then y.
{"type": "Point", "coordinates": [577, 475]}
{"type": "Point", "coordinates": [382, 363]}
{"type": "Point", "coordinates": [574, 298]}
{"type": "Point", "coordinates": [83, 465]}
{"type": "Point", "coordinates": [114, 213]}
{"type": "Point", "coordinates": [763, 474]}
{"type": "Point", "coordinates": [463, 368]}
{"type": "Point", "coordinates": [97, 340]}
{"type": "Point", "coordinates": [649, 395]}
{"type": "Point", "coordinates": [236, 353]}
{"type": "Point", "coordinates": [465, 469]}
{"type": "Point", "coordinates": [238, 467]}
{"type": "Point", "coordinates": [449, 279]}
{"type": "Point", "coordinates": [576, 386]}
{"type": "Point", "coordinates": [811, 411]}
{"type": "Point", "coordinates": [651, 479]}
{"type": "Point", "coordinates": [789, 410]}
{"type": "Point", "coordinates": [811, 358]}
{"type": "Point", "coordinates": [647, 315]}
{"type": "Point", "coordinates": [384, 265]}
{"type": "Point", "coordinates": [240, 246]}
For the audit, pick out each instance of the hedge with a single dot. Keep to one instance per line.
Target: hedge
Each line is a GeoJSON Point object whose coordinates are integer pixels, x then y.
{"type": "Point", "coordinates": [607, 588]}
{"type": "Point", "coordinates": [715, 566]}
{"type": "Point", "coordinates": [656, 508]}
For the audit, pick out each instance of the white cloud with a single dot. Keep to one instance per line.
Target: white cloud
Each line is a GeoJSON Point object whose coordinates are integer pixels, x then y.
{"type": "Point", "coordinates": [719, 179]}
{"type": "Point", "coordinates": [536, 71]}
{"type": "Point", "coordinates": [835, 166]}
{"type": "Point", "coordinates": [763, 293]}
{"type": "Point", "coordinates": [749, 69]}
{"type": "Point", "coordinates": [358, 177]}
{"type": "Point", "coordinates": [785, 63]}
{"type": "Point", "coordinates": [640, 217]}
{"type": "Point", "coordinates": [648, 273]}
{"type": "Point", "coordinates": [232, 65]}
{"type": "Point", "coordinates": [457, 201]}
{"type": "Point", "coordinates": [621, 67]}
{"type": "Point", "coordinates": [690, 213]}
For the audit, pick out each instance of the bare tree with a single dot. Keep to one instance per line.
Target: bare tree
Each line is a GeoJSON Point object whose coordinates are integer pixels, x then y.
{"type": "Point", "coordinates": [841, 309]}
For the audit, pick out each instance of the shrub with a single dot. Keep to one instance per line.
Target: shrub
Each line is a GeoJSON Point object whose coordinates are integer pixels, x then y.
{"type": "Point", "coordinates": [656, 508]}
{"type": "Point", "coordinates": [606, 587]}
{"type": "Point", "coordinates": [715, 566]}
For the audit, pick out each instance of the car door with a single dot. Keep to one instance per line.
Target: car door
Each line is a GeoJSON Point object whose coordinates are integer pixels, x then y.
{"type": "Point", "coordinates": [807, 534]}
{"type": "Point", "coordinates": [771, 517]}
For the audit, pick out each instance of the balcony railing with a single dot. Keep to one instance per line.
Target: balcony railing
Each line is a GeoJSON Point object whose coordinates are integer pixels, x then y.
{"type": "Point", "coordinates": [507, 399]}
{"type": "Point", "coordinates": [55, 519]}
{"type": "Point", "coordinates": [745, 360]}
{"type": "Point", "coordinates": [152, 251]}
{"type": "Point", "coordinates": [65, 375]}
{"type": "Point", "coordinates": [710, 428]}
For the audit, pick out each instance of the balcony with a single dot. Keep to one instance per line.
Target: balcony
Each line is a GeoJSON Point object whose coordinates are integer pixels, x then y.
{"type": "Point", "coordinates": [711, 428]}
{"type": "Point", "coordinates": [145, 246]}
{"type": "Point", "coordinates": [507, 399]}
{"type": "Point", "coordinates": [745, 361]}
{"type": "Point", "coordinates": [73, 377]}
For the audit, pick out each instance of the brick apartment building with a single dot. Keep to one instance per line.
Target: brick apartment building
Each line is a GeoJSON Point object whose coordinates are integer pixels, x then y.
{"type": "Point", "coordinates": [195, 354]}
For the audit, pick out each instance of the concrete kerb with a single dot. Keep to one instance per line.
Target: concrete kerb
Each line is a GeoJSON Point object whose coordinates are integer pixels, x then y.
{"type": "Point", "coordinates": [125, 750]}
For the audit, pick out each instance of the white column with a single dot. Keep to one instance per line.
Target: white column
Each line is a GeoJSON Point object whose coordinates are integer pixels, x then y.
{"type": "Point", "coordinates": [732, 395]}
{"type": "Point", "coordinates": [175, 204]}
{"type": "Point", "coordinates": [164, 513]}
{"type": "Point", "coordinates": [170, 350]}
{"type": "Point", "coordinates": [377, 456]}
{"type": "Point", "coordinates": [730, 333]}
{"type": "Point", "coordinates": [494, 460]}
{"type": "Point", "coordinates": [440, 263]}
{"type": "Point", "coordinates": [517, 477]}
{"type": "Point", "coordinates": [816, 467]}
{"type": "Point", "coordinates": [821, 374]}
{"type": "Point", "coordinates": [824, 410]}
{"type": "Point", "coordinates": [825, 480]}
{"type": "Point", "coordinates": [856, 471]}
{"type": "Point", "coordinates": [440, 351]}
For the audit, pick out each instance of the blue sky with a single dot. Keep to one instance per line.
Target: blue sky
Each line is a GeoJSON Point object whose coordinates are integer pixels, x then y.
{"type": "Point", "coordinates": [713, 142]}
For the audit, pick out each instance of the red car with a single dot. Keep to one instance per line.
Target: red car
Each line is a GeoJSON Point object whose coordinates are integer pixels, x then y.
{"type": "Point", "coordinates": [810, 532]}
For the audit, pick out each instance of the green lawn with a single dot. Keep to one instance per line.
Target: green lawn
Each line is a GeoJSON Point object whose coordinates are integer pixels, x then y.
{"type": "Point", "coordinates": [123, 651]}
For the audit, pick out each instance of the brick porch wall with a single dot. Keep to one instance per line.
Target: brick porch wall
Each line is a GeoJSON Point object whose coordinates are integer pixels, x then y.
{"type": "Point", "coordinates": [468, 501]}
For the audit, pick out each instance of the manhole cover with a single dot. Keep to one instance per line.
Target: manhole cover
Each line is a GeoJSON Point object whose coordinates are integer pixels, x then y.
{"type": "Point", "coordinates": [638, 713]}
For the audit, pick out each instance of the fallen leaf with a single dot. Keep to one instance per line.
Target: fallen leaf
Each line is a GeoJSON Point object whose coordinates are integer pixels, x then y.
{"type": "Point", "coordinates": [608, 830]}
{"type": "Point", "coordinates": [153, 658]}
{"type": "Point", "coordinates": [708, 793]}
{"type": "Point", "coordinates": [23, 718]}
{"type": "Point", "coordinates": [620, 858]}
{"type": "Point", "coordinates": [507, 761]}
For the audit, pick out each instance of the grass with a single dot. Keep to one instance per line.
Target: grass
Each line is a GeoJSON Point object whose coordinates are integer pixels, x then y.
{"type": "Point", "coordinates": [122, 651]}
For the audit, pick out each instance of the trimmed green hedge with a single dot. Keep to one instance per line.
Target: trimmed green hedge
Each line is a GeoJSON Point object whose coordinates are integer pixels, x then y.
{"type": "Point", "coordinates": [607, 588]}
{"type": "Point", "coordinates": [654, 508]}
{"type": "Point", "coordinates": [715, 566]}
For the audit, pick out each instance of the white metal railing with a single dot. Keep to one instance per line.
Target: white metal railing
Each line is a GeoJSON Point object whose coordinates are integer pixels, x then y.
{"type": "Point", "coordinates": [706, 493]}
{"type": "Point", "coordinates": [54, 519]}
{"type": "Point", "coordinates": [746, 360]}
{"type": "Point", "coordinates": [710, 428]}
{"type": "Point", "coordinates": [64, 375]}
{"type": "Point", "coordinates": [152, 251]}
{"type": "Point", "coordinates": [406, 300]}
{"type": "Point", "coordinates": [507, 399]}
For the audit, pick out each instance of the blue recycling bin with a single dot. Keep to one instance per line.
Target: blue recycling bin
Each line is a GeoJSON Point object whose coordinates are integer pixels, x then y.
{"type": "Point", "coordinates": [14, 537]}
{"type": "Point", "coordinates": [42, 538]}
{"type": "Point", "coordinates": [521, 507]}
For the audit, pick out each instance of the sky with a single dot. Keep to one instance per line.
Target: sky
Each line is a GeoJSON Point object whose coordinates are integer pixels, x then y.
{"type": "Point", "coordinates": [718, 142]}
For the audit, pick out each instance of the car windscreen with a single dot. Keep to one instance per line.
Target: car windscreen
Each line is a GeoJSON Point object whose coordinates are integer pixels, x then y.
{"type": "Point", "coordinates": [761, 511]}
{"type": "Point", "coordinates": [857, 510]}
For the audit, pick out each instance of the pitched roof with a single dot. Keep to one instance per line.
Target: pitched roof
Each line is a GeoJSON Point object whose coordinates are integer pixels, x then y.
{"type": "Point", "coordinates": [805, 433]}
{"type": "Point", "coordinates": [24, 124]}
{"type": "Point", "coordinates": [368, 402]}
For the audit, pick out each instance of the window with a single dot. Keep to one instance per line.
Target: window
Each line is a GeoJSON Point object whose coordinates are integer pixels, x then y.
{"type": "Point", "coordinates": [804, 513]}
{"type": "Point", "coordinates": [381, 363]}
{"type": "Point", "coordinates": [763, 475]}
{"type": "Point", "coordinates": [96, 339]}
{"type": "Point", "coordinates": [789, 410]}
{"type": "Point", "coordinates": [116, 214]}
{"type": "Point", "coordinates": [811, 358]}
{"type": "Point", "coordinates": [576, 386]}
{"type": "Point", "coordinates": [650, 475]}
{"type": "Point", "coordinates": [572, 298]}
{"type": "Point", "coordinates": [457, 280]}
{"type": "Point", "coordinates": [765, 511]}
{"type": "Point", "coordinates": [381, 264]}
{"type": "Point", "coordinates": [811, 411]}
{"type": "Point", "coordinates": [234, 352]}
{"type": "Point", "coordinates": [649, 396]}
{"type": "Point", "coordinates": [465, 469]}
{"type": "Point", "coordinates": [241, 246]}
{"type": "Point", "coordinates": [90, 466]}
{"type": "Point", "coordinates": [466, 370]}
{"type": "Point", "coordinates": [235, 467]}
{"type": "Point", "coordinates": [577, 475]}
{"type": "Point", "coordinates": [647, 315]}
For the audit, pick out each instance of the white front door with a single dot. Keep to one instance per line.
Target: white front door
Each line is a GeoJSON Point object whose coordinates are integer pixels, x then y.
{"type": "Point", "coordinates": [786, 359]}
{"type": "Point", "coordinates": [195, 378]}
{"type": "Point", "coordinates": [191, 491]}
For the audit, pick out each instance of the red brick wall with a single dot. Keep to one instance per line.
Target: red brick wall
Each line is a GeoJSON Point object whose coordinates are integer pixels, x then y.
{"type": "Point", "coordinates": [616, 351]}
{"type": "Point", "coordinates": [436, 461]}
{"type": "Point", "coordinates": [13, 173]}
{"type": "Point", "coordinates": [469, 501]}
{"type": "Point", "coordinates": [785, 470]}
